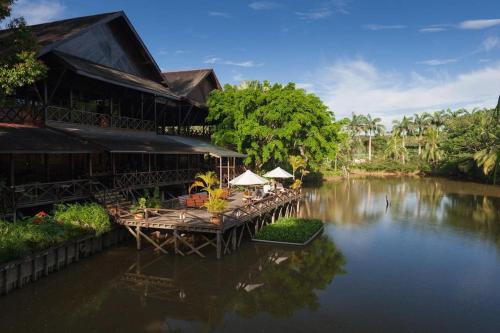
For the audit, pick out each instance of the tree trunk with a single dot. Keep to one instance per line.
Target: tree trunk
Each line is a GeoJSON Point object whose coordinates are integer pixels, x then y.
{"type": "Point", "coordinates": [419, 144]}
{"type": "Point", "coordinates": [369, 147]}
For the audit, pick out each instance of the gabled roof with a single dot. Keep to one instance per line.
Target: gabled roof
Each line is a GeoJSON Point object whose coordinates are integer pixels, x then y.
{"type": "Point", "coordinates": [183, 83]}
{"type": "Point", "coordinates": [52, 34]}
{"type": "Point", "coordinates": [114, 76]}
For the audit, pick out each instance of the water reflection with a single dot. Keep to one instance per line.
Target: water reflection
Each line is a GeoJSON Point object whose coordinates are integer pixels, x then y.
{"type": "Point", "coordinates": [468, 207]}
{"type": "Point", "coordinates": [169, 294]}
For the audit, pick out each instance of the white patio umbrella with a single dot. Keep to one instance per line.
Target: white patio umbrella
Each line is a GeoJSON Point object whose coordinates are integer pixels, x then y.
{"type": "Point", "coordinates": [278, 173]}
{"type": "Point", "coordinates": [248, 178]}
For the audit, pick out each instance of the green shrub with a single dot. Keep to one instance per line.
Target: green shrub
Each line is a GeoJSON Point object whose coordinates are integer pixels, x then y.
{"type": "Point", "coordinates": [91, 217]}
{"type": "Point", "coordinates": [292, 230]}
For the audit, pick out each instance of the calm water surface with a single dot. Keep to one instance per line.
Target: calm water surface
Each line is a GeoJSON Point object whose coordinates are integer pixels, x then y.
{"type": "Point", "coordinates": [428, 262]}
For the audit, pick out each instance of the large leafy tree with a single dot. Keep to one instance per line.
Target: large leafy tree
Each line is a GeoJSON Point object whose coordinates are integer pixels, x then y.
{"type": "Point", "coordinates": [19, 65]}
{"type": "Point", "coordinates": [270, 122]}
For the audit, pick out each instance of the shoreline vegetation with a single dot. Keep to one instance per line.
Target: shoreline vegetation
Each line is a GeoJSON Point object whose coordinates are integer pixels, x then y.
{"type": "Point", "coordinates": [43, 231]}
{"type": "Point", "coordinates": [290, 230]}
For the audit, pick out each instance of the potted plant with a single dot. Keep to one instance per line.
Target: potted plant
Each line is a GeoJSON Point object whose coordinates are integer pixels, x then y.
{"type": "Point", "coordinates": [216, 205]}
{"type": "Point", "coordinates": [138, 208]}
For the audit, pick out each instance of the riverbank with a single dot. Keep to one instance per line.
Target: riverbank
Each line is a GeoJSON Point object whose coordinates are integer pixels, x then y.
{"type": "Point", "coordinates": [358, 173]}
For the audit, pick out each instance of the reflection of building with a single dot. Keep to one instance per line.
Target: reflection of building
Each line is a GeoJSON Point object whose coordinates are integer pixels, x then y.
{"type": "Point", "coordinates": [104, 114]}
{"type": "Point", "coordinates": [263, 279]}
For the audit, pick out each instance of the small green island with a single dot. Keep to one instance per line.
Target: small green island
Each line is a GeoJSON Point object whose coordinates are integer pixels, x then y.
{"type": "Point", "coordinates": [291, 230]}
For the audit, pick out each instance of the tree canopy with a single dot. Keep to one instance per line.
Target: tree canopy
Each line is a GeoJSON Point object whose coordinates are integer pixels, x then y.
{"type": "Point", "coordinates": [270, 122]}
{"type": "Point", "coordinates": [19, 65]}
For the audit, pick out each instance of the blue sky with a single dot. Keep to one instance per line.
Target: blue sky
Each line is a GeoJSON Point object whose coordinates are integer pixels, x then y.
{"type": "Point", "coordinates": [385, 57]}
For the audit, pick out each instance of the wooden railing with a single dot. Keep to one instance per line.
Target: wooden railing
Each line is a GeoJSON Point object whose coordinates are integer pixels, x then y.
{"type": "Point", "coordinates": [21, 113]}
{"type": "Point", "coordinates": [154, 178]}
{"type": "Point", "coordinates": [261, 206]}
{"type": "Point", "coordinates": [46, 193]}
{"type": "Point", "coordinates": [66, 115]}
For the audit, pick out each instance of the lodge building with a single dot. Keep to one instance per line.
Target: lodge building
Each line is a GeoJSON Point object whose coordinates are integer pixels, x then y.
{"type": "Point", "coordinates": [105, 117]}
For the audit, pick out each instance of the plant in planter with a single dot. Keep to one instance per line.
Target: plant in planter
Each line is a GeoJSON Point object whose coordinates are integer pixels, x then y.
{"type": "Point", "coordinates": [138, 208]}
{"type": "Point", "coordinates": [216, 205]}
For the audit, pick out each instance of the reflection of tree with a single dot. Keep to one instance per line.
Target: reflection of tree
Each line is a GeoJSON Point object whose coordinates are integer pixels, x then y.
{"type": "Point", "coordinates": [291, 285]}
{"type": "Point", "coordinates": [468, 206]}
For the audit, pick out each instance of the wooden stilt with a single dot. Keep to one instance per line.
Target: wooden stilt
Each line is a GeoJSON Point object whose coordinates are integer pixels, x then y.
{"type": "Point", "coordinates": [233, 236]}
{"type": "Point", "coordinates": [219, 244]}
{"type": "Point", "coordinates": [138, 237]}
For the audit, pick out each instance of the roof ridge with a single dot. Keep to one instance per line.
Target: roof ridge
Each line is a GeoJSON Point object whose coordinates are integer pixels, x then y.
{"type": "Point", "coordinates": [76, 18]}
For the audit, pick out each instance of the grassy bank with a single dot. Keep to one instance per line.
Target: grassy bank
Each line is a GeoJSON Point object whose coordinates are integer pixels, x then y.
{"type": "Point", "coordinates": [291, 230]}
{"type": "Point", "coordinates": [43, 230]}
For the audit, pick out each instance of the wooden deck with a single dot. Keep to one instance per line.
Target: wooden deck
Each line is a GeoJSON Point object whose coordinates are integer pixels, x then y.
{"type": "Point", "coordinates": [189, 229]}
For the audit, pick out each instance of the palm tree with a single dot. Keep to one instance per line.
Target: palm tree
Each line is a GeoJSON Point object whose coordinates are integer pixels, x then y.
{"type": "Point", "coordinates": [297, 163]}
{"type": "Point", "coordinates": [454, 114]}
{"type": "Point", "coordinates": [207, 181]}
{"type": "Point", "coordinates": [403, 128]}
{"type": "Point", "coordinates": [395, 149]}
{"type": "Point", "coordinates": [420, 124]}
{"type": "Point", "coordinates": [432, 152]}
{"type": "Point", "coordinates": [489, 160]}
{"type": "Point", "coordinates": [438, 118]}
{"type": "Point", "coordinates": [372, 127]}
{"type": "Point", "coordinates": [489, 157]}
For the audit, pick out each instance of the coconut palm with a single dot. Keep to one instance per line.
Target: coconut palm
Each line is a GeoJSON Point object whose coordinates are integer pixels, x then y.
{"type": "Point", "coordinates": [395, 148]}
{"type": "Point", "coordinates": [489, 159]}
{"type": "Point", "coordinates": [432, 152]}
{"type": "Point", "coordinates": [420, 124]}
{"type": "Point", "coordinates": [372, 126]}
{"type": "Point", "coordinates": [403, 128]}
{"type": "Point", "coordinates": [438, 119]}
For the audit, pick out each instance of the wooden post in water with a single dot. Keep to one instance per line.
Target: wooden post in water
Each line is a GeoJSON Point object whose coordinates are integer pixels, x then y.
{"type": "Point", "coordinates": [138, 237]}
{"type": "Point", "coordinates": [219, 244]}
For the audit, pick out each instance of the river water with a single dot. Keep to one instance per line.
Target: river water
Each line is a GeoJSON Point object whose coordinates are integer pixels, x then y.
{"type": "Point", "coordinates": [397, 255]}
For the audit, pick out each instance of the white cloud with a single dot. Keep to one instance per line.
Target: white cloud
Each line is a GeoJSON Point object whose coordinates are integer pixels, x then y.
{"type": "Point", "coordinates": [211, 60]}
{"type": "Point", "coordinates": [327, 9]}
{"type": "Point", "coordinates": [437, 62]}
{"type": "Point", "coordinates": [489, 44]}
{"type": "Point", "coordinates": [219, 14]}
{"type": "Point", "coordinates": [478, 24]}
{"type": "Point", "coordinates": [376, 27]}
{"type": "Point", "coordinates": [431, 29]}
{"type": "Point", "coordinates": [359, 86]}
{"type": "Point", "coordinates": [38, 11]}
{"type": "Point", "coordinates": [264, 5]}
{"type": "Point", "coordinates": [315, 14]}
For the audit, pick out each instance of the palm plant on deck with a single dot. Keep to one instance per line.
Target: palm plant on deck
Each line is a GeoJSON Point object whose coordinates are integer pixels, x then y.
{"type": "Point", "coordinates": [215, 204]}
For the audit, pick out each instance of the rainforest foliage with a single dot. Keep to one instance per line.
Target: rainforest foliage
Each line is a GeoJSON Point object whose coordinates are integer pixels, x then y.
{"type": "Point", "coordinates": [271, 122]}
{"type": "Point", "coordinates": [457, 143]}
{"type": "Point", "coordinates": [19, 65]}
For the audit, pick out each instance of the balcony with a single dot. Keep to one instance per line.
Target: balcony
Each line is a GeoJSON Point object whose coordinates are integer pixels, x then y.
{"type": "Point", "coordinates": [154, 178]}
{"type": "Point", "coordinates": [66, 115]}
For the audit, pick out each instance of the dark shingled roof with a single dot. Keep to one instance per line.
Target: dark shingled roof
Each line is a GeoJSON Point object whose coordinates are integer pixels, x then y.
{"type": "Point", "coordinates": [21, 139]}
{"type": "Point", "coordinates": [128, 141]}
{"type": "Point", "coordinates": [124, 141]}
{"type": "Point", "coordinates": [111, 75]}
{"type": "Point", "coordinates": [183, 82]}
{"type": "Point", "coordinates": [53, 32]}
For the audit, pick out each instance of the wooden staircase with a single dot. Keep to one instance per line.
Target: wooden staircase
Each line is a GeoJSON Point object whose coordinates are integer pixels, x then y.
{"type": "Point", "coordinates": [113, 200]}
